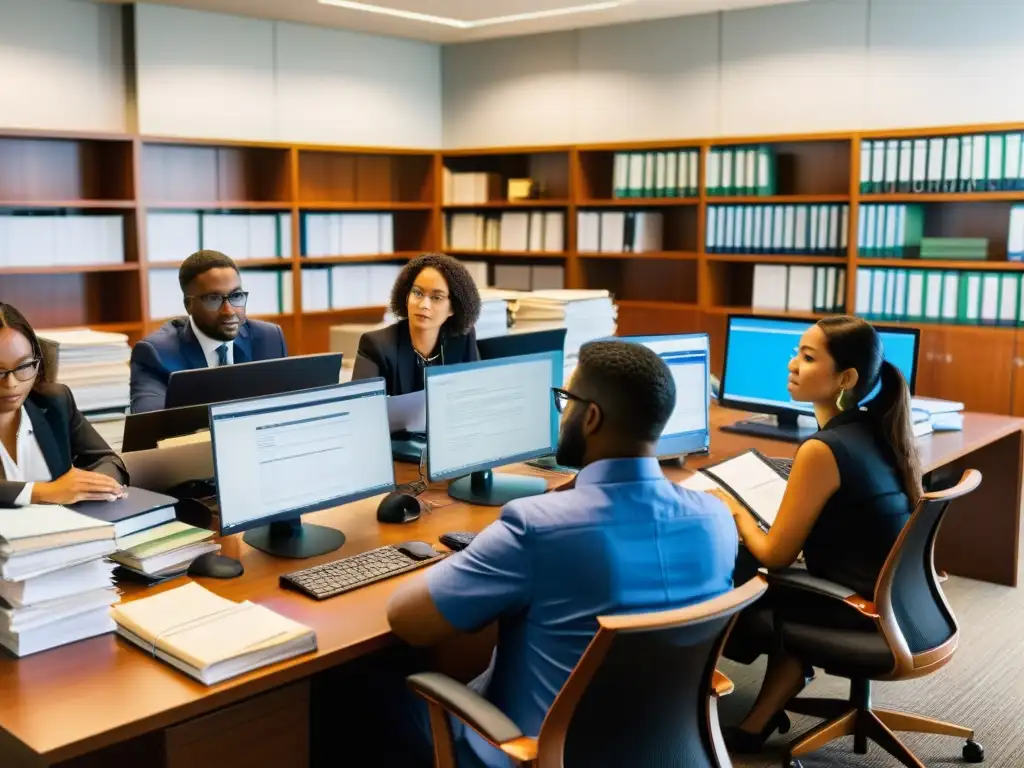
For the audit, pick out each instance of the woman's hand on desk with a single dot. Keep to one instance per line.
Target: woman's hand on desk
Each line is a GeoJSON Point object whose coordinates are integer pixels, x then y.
{"type": "Point", "coordinates": [78, 485]}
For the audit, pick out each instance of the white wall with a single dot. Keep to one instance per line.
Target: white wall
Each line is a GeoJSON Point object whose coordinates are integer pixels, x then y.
{"type": "Point", "coordinates": [216, 76]}
{"type": "Point", "coordinates": [61, 66]}
{"type": "Point", "coordinates": [819, 66]}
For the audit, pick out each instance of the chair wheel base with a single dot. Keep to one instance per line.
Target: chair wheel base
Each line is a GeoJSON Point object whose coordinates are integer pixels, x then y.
{"type": "Point", "coordinates": [973, 752]}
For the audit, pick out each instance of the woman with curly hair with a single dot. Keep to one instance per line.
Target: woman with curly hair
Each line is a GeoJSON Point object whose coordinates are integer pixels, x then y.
{"type": "Point", "coordinates": [438, 304]}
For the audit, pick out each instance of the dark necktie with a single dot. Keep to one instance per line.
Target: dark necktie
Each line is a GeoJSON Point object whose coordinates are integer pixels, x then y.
{"type": "Point", "coordinates": [222, 354]}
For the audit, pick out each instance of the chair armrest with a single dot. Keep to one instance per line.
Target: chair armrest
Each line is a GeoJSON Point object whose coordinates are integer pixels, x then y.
{"type": "Point", "coordinates": [475, 711]}
{"type": "Point", "coordinates": [798, 578]}
{"type": "Point", "coordinates": [721, 685]}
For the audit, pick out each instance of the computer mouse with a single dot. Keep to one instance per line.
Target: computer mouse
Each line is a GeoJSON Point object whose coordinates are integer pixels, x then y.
{"type": "Point", "coordinates": [417, 550]}
{"type": "Point", "coordinates": [399, 508]}
{"type": "Point", "coordinates": [214, 566]}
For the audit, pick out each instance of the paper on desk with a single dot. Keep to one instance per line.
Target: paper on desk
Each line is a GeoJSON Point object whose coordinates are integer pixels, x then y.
{"type": "Point", "coordinates": [753, 482]}
{"type": "Point", "coordinates": [408, 413]}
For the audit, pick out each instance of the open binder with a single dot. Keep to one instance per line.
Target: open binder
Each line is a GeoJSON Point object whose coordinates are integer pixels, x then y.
{"type": "Point", "coordinates": [751, 479]}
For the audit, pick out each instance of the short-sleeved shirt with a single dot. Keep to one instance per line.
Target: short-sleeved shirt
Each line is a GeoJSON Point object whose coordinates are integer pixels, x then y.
{"type": "Point", "coordinates": [624, 540]}
{"type": "Point", "coordinates": [861, 521]}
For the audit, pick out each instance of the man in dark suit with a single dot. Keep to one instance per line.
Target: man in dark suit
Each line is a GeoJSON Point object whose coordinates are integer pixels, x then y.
{"type": "Point", "coordinates": [216, 331]}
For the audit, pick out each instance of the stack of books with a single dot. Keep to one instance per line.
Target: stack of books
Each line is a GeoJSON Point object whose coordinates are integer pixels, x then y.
{"type": "Point", "coordinates": [163, 552]}
{"type": "Point", "coordinates": [55, 586]}
{"type": "Point", "coordinates": [209, 637]}
{"type": "Point", "coordinates": [955, 248]}
{"type": "Point", "coordinates": [150, 544]}
{"type": "Point", "coordinates": [94, 366]}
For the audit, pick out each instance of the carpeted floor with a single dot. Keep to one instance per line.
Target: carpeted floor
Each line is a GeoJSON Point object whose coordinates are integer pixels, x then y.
{"type": "Point", "coordinates": [981, 688]}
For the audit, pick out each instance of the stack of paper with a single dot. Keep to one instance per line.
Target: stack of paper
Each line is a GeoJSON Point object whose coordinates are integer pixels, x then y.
{"type": "Point", "coordinates": [210, 637]}
{"type": "Point", "coordinates": [586, 315]}
{"type": "Point", "coordinates": [940, 415]}
{"type": "Point", "coordinates": [493, 320]}
{"type": "Point", "coordinates": [94, 365]}
{"type": "Point", "coordinates": [55, 587]}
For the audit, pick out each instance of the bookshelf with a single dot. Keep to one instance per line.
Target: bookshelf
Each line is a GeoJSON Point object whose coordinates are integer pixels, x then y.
{"type": "Point", "coordinates": [684, 217]}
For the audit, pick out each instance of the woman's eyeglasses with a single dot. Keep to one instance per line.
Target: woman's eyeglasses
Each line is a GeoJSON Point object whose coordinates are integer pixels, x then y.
{"type": "Point", "coordinates": [435, 298]}
{"type": "Point", "coordinates": [23, 372]}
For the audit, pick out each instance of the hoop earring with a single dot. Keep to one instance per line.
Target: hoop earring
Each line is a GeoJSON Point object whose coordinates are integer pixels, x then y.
{"type": "Point", "coordinates": [839, 400]}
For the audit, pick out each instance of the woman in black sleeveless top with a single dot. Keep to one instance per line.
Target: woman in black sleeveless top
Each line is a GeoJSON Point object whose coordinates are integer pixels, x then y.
{"type": "Point", "coordinates": [852, 488]}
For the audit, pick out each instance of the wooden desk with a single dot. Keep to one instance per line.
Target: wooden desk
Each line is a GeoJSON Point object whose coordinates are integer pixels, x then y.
{"type": "Point", "coordinates": [103, 702]}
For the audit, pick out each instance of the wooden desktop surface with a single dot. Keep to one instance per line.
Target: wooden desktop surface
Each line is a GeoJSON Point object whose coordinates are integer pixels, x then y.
{"type": "Point", "coordinates": [74, 700]}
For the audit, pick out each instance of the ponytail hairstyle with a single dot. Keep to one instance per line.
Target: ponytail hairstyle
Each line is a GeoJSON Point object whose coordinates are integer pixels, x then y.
{"type": "Point", "coordinates": [854, 343]}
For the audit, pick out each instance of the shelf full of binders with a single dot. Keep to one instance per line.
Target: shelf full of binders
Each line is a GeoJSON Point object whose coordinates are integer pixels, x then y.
{"type": "Point", "coordinates": [948, 297]}
{"type": "Point", "coordinates": [270, 292]}
{"type": "Point", "coordinates": [990, 165]}
{"type": "Point", "coordinates": [347, 286]}
{"type": "Point", "coordinates": [799, 288]}
{"type": "Point", "coordinates": [778, 229]}
{"type": "Point", "coordinates": [171, 236]}
{"type": "Point", "coordinates": [516, 232]}
{"type": "Point", "coordinates": [53, 239]}
{"type": "Point", "coordinates": [748, 171]}
{"type": "Point", "coordinates": [656, 174]}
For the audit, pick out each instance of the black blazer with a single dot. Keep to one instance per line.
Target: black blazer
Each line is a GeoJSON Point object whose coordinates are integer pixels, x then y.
{"type": "Point", "coordinates": [66, 439]}
{"type": "Point", "coordinates": [388, 352]}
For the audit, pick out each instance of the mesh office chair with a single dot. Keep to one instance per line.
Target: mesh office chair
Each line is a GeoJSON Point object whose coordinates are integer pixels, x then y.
{"type": "Point", "coordinates": [917, 634]}
{"type": "Point", "coordinates": [643, 694]}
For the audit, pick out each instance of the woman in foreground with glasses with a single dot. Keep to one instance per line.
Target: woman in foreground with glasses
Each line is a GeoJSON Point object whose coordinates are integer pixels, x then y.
{"type": "Point", "coordinates": [438, 304]}
{"type": "Point", "coordinates": [49, 453]}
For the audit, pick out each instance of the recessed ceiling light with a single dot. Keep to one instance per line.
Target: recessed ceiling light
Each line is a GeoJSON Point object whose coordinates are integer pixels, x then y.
{"type": "Point", "coordinates": [461, 24]}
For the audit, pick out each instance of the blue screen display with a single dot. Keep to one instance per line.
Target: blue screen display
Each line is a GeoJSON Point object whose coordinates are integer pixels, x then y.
{"type": "Point", "coordinates": [758, 354]}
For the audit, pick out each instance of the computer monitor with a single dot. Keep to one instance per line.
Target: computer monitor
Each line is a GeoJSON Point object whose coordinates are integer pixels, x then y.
{"type": "Point", "coordinates": [517, 343]}
{"type": "Point", "coordinates": [143, 431]}
{"type": "Point", "coordinates": [489, 413]}
{"type": "Point", "coordinates": [204, 386]}
{"type": "Point", "coordinates": [758, 350]}
{"type": "Point", "coordinates": [279, 457]}
{"type": "Point", "coordinates": [686, 355]}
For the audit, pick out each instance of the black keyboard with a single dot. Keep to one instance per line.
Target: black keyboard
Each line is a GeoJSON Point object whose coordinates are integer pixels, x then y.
{"type": "Point", "coordinates": [338, 576]}
{"type": "Point", "coordinates": [784, 466]}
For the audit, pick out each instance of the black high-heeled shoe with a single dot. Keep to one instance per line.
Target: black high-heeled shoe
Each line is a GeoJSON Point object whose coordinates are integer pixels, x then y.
{"type": "Point", "coordinates": [743, 742]}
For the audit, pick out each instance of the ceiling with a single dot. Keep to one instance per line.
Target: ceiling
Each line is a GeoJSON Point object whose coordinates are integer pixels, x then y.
{"type": "Point", "coordinates": [472, 11]}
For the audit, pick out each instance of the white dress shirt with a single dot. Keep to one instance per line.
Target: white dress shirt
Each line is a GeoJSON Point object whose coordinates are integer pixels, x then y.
{"type": "Point", "coordinates": [29, 466]}
{"type": "Point", "coordinates": [210, 346]}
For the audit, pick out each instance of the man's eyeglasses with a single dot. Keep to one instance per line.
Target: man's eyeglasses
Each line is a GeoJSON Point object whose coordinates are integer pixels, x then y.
{"type": "Point", "coordinates": [212, 302]}
{"type": "Point", "coordinates": [23, 372]}
{"type": "Point", "coordinates": [563, 396]}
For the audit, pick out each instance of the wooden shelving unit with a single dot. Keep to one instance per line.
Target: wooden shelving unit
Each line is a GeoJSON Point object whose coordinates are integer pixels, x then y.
{"type": "Point", "coordinates": [678, 287]}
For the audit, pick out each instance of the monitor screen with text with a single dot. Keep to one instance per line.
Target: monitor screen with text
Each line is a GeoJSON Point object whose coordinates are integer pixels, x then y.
{"type": "Point", "coordinates": [485, 414]}
{"type": "Point", "coordinates": [279, 457]}
{"type": "Point", "coordinates": [758, 351]}
{"type": "Point", "coordinates": [686, 356]}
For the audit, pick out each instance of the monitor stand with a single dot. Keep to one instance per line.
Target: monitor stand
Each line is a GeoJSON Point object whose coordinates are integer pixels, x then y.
{"type": "Point", "coordinates": [490, 490]}
{"type": "Point", "coordinates": [293, 538]}
{"type": "Point", "coordinates": [786, 428]}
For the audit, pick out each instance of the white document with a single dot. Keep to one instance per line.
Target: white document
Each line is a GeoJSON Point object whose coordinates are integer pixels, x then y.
{"type": "Point", "coordinates": [753, 483]}
{"type": "Point", "coordinates": [408, 413]}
